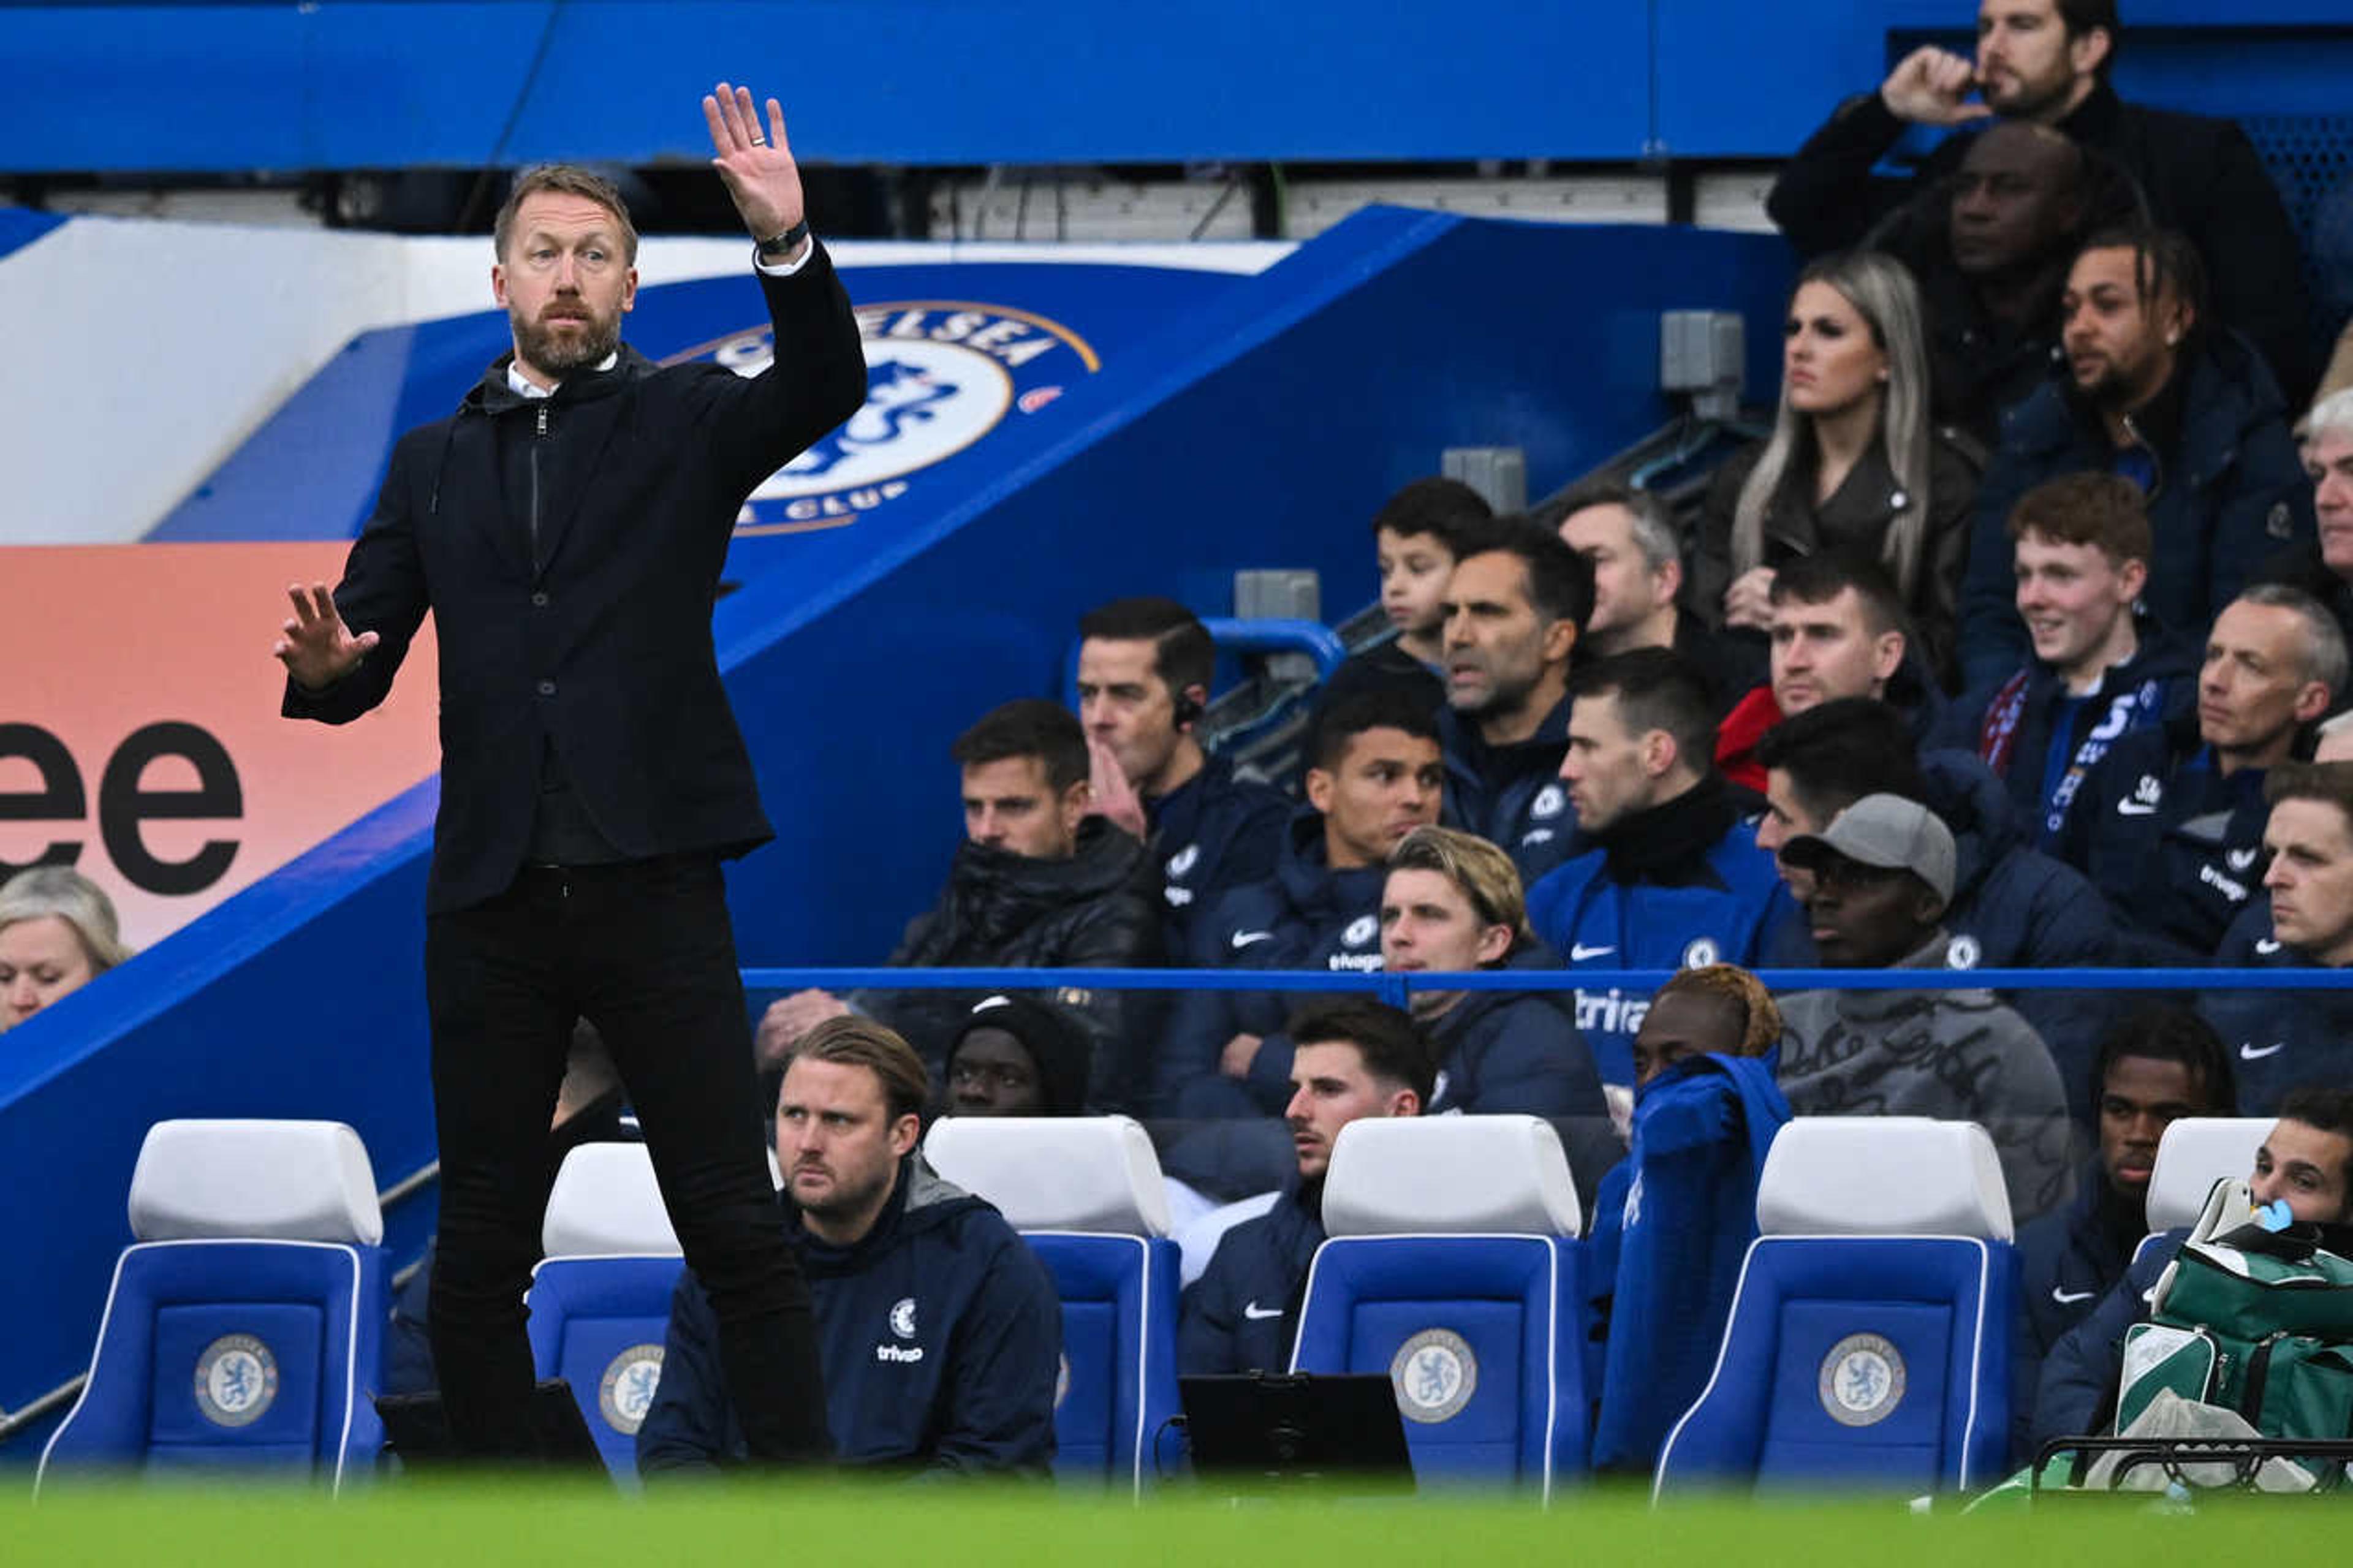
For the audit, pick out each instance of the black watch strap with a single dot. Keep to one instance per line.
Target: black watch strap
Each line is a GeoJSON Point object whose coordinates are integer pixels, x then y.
{"type": "Point", "coordinates": [776, 246]}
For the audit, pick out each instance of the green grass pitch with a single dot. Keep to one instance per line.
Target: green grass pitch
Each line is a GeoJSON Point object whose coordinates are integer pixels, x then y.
{"type": "Point", "coordinates": [842, 1524]}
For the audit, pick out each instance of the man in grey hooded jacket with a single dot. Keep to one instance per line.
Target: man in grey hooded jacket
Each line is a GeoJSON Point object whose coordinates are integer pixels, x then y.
{"type": "Point", "coordinates": [1876, 881]}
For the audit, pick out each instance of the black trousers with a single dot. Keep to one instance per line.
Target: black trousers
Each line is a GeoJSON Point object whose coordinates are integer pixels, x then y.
{"type": "Point", "coordinates": [646, 952]}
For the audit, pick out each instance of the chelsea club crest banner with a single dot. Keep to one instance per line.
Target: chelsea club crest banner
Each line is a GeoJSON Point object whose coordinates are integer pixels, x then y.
{"type": "Point", "coordinates": [971, 368]}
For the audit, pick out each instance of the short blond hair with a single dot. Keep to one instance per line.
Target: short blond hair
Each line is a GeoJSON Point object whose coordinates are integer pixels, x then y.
{"type": "Point", "coordinates": [1484, 874]}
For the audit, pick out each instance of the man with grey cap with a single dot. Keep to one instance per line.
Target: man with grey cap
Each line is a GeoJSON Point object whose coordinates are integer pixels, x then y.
{"type": "Point", "coordinates": [1882, 873]}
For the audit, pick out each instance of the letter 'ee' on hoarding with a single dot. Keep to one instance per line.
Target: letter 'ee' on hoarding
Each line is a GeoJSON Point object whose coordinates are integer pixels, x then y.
{"type": "Point", "coordinates": [140, 739]}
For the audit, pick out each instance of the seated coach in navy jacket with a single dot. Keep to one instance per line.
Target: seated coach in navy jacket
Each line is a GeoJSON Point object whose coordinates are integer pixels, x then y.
{"type": "Point", "coordinates": [940, 1333]}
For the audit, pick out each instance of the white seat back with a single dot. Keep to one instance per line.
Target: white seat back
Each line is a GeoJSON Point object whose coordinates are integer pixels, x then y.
{"type": "Point", "coordinates": [607, 1204]}
{"type": "Point", "coordinates": [2195, 1153]}
{"type": "Point", "coordinates": [278, 1181]}
{"type": "Point", "coordinates": [1056, 1173]}
{"type": "Point", "coordinates": [1443, 1175]}
{"type": "Point", "coordinates": [1882, 1176]}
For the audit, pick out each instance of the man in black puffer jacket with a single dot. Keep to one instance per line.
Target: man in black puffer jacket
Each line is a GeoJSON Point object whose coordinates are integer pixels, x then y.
{"type": "Point", "coordinates": [1038, 883]}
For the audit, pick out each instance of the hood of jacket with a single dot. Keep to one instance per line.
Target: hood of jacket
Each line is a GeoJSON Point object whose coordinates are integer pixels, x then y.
{"type": "Point", "coordinates": [1972, 801]}
{"type": "Point", "coordinates": [920, 1200]}
{"type": "Point", "coordinates": [494, 396]}
{"type": "Point", "coordinates": [1450, 1027]}
{"type": "Point", "coordinates": [1319, 895]}
{"type": "Point", "coordinates": [996, 893]}
{"type": "Point", "coordinates": [1871, 1005]}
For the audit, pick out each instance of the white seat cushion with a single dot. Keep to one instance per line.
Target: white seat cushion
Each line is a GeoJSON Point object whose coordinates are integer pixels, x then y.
{"type": "Point", "coordinates": [1056, 1173]}
{"type": "Point", "coordinates": [1196, 1240]}
{"type": "Point", "coordinates": [277, 1180]}
{"type": "Point", "coordinates": [1443, 1175]}
{"type": "Point", "coordinates": [1882, 1176]}
{"type": "Point", "coordinates": [2195, 1153]}
{"type": "Point", "coordinates": [607, 1204]}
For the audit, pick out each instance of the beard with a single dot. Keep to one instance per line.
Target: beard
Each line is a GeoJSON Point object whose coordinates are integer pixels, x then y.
{"type": "Point", "coordinates": [546, 347]}
{"type": "Point", "coordinates": [2020, 97]}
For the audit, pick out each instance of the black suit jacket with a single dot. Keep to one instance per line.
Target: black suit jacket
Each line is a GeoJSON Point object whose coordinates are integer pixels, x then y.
{"type": "Point", "coordinates": [594, 637]}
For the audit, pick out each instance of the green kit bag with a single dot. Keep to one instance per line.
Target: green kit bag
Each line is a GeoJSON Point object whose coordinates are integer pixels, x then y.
{"type": "Point", "coordinates": [2256, 1320]}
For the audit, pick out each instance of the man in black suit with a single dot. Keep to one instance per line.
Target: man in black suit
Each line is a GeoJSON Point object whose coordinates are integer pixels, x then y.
{"type": "Point", "coordinates": [566, 527]}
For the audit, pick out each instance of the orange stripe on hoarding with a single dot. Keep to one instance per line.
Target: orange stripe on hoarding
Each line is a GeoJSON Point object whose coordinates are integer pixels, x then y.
{"type": "Point", "coordinates": [139, 722]}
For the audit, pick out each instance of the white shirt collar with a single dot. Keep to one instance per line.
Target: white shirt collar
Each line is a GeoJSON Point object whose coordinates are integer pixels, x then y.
{"type": "Point", "coordinates": [523, 386]}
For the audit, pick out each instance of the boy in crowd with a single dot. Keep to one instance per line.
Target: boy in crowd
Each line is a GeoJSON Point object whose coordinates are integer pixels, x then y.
{"type": "Point", "coordinates": [2101, 667]}
{"type": "Point", "coordinates": [1418, 536]}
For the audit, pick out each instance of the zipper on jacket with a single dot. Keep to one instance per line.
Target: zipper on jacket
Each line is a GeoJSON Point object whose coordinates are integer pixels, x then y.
{"type": "Point", "coordinates": [2156, 460]}
{"type": "Point", "coordinates": [538, 437]}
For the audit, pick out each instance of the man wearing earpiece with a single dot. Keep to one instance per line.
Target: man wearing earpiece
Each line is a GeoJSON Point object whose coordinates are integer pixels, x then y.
{"type": "Point", "coordinates": [1145, 667]}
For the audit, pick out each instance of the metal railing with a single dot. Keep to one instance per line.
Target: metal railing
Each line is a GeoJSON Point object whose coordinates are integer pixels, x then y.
{"type": "Point", "coordinates": [1396, 988]}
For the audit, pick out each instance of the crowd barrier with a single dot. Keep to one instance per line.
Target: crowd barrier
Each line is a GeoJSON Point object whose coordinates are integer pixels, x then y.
{"type": "Point", "coordinates": [1396, 989]}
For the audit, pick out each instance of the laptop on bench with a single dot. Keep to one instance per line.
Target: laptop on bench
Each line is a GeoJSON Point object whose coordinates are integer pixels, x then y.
{"type": "Point", "coordinates": [1274, 1431]}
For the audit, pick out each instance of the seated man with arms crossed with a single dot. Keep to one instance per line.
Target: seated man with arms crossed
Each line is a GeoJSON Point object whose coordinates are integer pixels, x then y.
{"type": "Point", "coordinates": [940, 1333]}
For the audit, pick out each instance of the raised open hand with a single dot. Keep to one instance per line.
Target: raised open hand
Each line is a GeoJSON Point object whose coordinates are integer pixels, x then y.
{"type": "Point", "coordinates": [315, 647]}
{"type": "Point", "coordinates": [755, 162]}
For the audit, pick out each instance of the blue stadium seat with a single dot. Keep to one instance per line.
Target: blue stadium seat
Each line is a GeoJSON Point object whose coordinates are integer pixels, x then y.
{"type": "Point", "coordinates": [244, 1328]}
{"type": "Point", "coordinates": [1869, 1344]}
{"type": "Point", "coordinates": [1452, 1268]}
{"type": "Point", "coordinates": [2194, 1153]}
{"type": "Point", "coordinates": [600, 1298]}
{"type": "Point", "coordinates": [1086, 1194]}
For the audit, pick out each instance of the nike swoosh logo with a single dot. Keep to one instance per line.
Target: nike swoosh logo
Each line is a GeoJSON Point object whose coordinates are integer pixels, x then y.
{"type": "Point", "coordinates": [2248, 1052]}
{"type": "Point", "coordinates": [1244, 937]}
{"type": "Point", "coordinates": [2069, 1298]}
{"type": "Point", "coordinates": [1257, 1313]}
{"type": "Point", "coordinates": [2133, 808]}
{"type": "Point", "coordinates": [1580, 952]}
{"type": "Point", "coordinates": [2268, 946]}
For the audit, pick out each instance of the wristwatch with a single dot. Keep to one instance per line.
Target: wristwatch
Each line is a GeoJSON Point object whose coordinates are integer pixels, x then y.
{"type": "Point", "coordinates": [778, 246]}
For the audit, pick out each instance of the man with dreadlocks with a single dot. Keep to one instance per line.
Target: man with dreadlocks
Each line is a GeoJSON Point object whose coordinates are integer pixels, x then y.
{"type": "Point", "coordinates": [1675, 1217]}
{"type": "Point", "coordinates": [2173, 402]}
